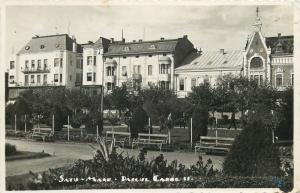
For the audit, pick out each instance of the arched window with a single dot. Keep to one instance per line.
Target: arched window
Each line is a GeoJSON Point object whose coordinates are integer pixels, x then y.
{"type": "Point", "coordinates": [256, 62]}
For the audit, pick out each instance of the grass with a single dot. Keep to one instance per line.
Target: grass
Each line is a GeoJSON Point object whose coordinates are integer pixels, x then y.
{"type": "Point", "coordinates": [19, 155]}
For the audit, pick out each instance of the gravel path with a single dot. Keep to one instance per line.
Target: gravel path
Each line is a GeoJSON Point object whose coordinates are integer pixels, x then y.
{"type": "Point", "coordinates": [66, 153]}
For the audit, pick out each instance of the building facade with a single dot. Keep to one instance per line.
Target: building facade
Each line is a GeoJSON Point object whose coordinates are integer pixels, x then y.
{"type": "Point", "coordinates": [207, 66]}
{"type": "Point", "coordinates": [269, 60]}
{"type": "Point", "coordinates": [140, 64]}
{"type": "Point", "coordinates": [53, 60]}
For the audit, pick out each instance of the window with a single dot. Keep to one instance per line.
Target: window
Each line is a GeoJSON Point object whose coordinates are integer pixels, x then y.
{"type": "Point", "coordinates": [164, 69]}
{"type": "Point", "coordinates": [26, 63]}
{"type": "Point", "coordinates": [38, 79]}
{"type": "Point", "coordinates": [95, 60]}
{"type": "Point", "coordinates": [39, 64]}
{"type": "Point", "coordinates": [32, 78]}
{"type": "Point", "coordinates": [261, 80]}
{"type": "Point", "coordinates": [12, 64]}
{"type": "Point", "coordinates": [149, 70]}
{"type": "Point", "coordinates": [256, 62]}
{"type": "Point", "coordinates": [292, 79]}
{"type": "Point", "coordinates": [181, 84]}
{"type": "Point", "coordinates": [89, 76]}
{"type": "Point", "coordinates": [45, 63]}
{"type": "Point", "coordinates": [152, 47]}
{"type": "Point", "coordinates": [60, 78]}
{"type": "Point", "coordinates": [94, 77]}
{"type": "Point", "coordinates": [45, 79]}
{"type": "Point", "coordinates": [89, 60]}
{"type": "Point", "coordinates": [278, 80]}
{"type": "Point", "coordinates": [124, 57]}
{"type": "Point", "coordinates": [26, 79]}
{"type": "Point", "coordinates": [32, 64]}
{"type": "Point", "coordinates": [27, 47]}
{"type": "Point", "coordinates": [124, 70]}
{"type": "Point", "coordinates": [42, 46]}
{"type": "Point", "coordinates": [78, 77]}
{"type": "Point", "coordinates": [70, 77]}
{"type": "Point", "coordinates": [193, 82]}
{"type": "Point", "coordinates": [56, 62]}
{"type": "Point", "coordinates": [137, 56]}
{"type": "Point", "coordinates": [137, 69]}
{"type": "Point", "coordinates": [55, 77]}
{"type": "Point", "coordinates": [61, 62]}
{"type": "Point", "coordinates": [126, 49]}
{"type": "Point", "coordinates": [11, 79]}
{"type": "Point", "coordinates": [110, 71]}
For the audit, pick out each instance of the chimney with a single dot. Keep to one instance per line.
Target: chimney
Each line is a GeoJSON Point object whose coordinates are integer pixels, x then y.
{"type": "Point", "coordinates": [123, 40]}
{"type": "Point", "coordinates": [279, 35]}
{"type": "Point", "coordinates": [112, 40]}
{"type": "Point", "coordinates": [200, 51]}
{"type": "Point", "coordinates": [74, 49]}
{"type": "Point", "coordinates": [222, 51]}
{"type": "Point", "coordinates": [162, 38]}
{"type": "Point", "coordinates": [140, 40]}
{"type": "Point", "coordinates": [133, 40]}
{"type": "Point", "coordinates": [185, 36]}
{"type": "Point", "coordinates": [90, 42]}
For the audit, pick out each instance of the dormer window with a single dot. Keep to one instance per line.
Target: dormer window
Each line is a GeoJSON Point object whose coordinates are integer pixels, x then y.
{"type": "Point", "coordinates": [42, 46]}
{"type": "Point", "coordinates": [27, 47]}
{"type": "Point", "coordinates": [152, 47]}
{"type": "Point", "coordinates": [126, 49]}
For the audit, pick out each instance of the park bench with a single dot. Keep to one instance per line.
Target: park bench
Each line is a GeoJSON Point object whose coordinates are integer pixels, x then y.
{"type": "Point", "coordinates": [117, 137]}
{"type": "Point", "coordinates": [150, 139]}
{"type": "Point", "coordinates": [210, 144]}
{"type": "Point", "coordinates": [42, 133]}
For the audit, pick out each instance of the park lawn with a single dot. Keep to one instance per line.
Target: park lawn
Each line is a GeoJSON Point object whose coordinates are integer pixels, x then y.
{"type": "Point", "coordinates": [19, 155]}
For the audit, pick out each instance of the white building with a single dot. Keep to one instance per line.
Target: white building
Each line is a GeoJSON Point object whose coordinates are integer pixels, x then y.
{"type": "Point", "coordinates": [93, 65]}
{"type": "Point", "coordinates": [140, 64]}
{"type": "Point", "coordinates": [53, 60]}
{"type": "Point", "coordinates": [206, 66]}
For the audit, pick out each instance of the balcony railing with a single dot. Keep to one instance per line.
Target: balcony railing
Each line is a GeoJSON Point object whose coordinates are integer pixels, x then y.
{"type": "Point", "coordinates": [35, 70]}
{"type": "Point", "coordinates": [110, 79]}
{"type": "Point", "coordinates": [164, 77]}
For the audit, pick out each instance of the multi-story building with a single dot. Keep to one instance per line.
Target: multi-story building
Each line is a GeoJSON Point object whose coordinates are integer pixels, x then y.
{"type": "Point", "coordinates": [206, 66]}
{"type": "Point", "coordinates": [269, 59]}
{"type": "Point", "coordinates": [281, 57]}
{"type": "Point", "coordinates": [53, 60]}
{"type": "Point", "coordinates": [144, 63]}
{"type": "Point", "coordinates": [93, 65]}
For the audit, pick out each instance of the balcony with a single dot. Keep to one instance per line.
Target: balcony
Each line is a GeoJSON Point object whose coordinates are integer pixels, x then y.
{"type": "Point", "coordinates": [164, 77]}
{"type": "Point", "coordinates": [110, 79]}
{"type": "Point", "coordinates": [35, 70]}
{"type": "Point", "coordinates": [137, 77]}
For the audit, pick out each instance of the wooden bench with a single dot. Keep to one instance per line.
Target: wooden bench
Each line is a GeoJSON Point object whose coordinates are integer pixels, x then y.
{"type": "Point", "coordinates": [117, 137]}
{"type": "Point", "coordinates": [42, 133]}
{"type": "Point", "coordinates": [150, 139]}
{"type": "Point", "coordinates": [214, 144]}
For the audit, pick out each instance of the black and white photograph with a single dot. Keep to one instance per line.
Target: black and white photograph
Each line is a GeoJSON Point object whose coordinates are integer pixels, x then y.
{"type": "Point", "coordinates": [148, 96]}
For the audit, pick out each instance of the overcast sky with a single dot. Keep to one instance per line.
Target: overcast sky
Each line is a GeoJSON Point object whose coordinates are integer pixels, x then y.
{"type": "Point", "coordinates": [208, 27]}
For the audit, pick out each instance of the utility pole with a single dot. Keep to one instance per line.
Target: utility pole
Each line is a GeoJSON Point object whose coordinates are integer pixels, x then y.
{"type": "Point", "coordinates": [68, 127]}
{"type": "Point", "coordinates": [192, 133]}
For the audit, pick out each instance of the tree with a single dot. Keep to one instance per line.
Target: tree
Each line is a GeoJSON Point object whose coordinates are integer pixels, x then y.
{"type": "Point", "coordinates": [200, 121]}
{"type": "Point", "coordinates": [253, 153]}
{"type": "Point", "coordinates": [285, 128]}
{"type": "Point", "coordinates": [138, 122]}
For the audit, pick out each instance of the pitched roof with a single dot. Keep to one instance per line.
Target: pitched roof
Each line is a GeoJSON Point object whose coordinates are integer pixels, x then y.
{"type": "Point", "coordinates": [145, 47]}
{"type": "Point", "coordinates": [213, 60]}
{"type": "Point", "coordinates": [287, 43]}
{"type": "Point", "coordinates": [48, 44]}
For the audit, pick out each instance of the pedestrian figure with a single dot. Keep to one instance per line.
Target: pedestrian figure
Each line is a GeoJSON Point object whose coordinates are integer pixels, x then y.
{"type": "Point", "coordinates": [232, 121]}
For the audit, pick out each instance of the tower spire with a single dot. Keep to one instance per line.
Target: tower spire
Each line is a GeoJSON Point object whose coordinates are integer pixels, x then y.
{"type": "Point", "coordinates": [257, 24]}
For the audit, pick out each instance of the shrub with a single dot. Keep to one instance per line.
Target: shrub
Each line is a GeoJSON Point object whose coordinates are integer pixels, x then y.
{"type": "Point", "coordinates": [200, 121]}
{"type": "Point", "coordinates": [138, 122]}
{"type": "Point", "coordinates": [252, 153]}
{"type": "Point", "coordinates": [10, 149]}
